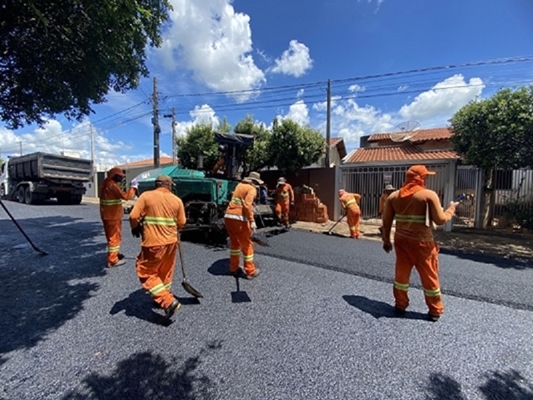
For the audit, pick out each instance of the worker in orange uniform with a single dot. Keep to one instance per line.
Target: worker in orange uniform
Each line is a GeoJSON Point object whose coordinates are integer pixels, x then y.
{"type": "Point", "coordinates": [240, 224]}
{"type": "Point", "coordinates": [415, 208]}
{"type": "Point", "coordinates": [284, 199]}
{"type": "Point", "coordinates": [350, 203]}
{"type": "Point", "coordinates": [382, 200]}
{"type": "Point", "coordinates": [161, 214]}
{"type": "Point", "coordinates": [111, 212]}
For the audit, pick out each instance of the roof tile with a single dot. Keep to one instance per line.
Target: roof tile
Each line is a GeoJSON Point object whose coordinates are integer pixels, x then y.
{"type": "Point", "coordinates": [406, 152]}
{"type": "Point", "coordinates": [421, 135]}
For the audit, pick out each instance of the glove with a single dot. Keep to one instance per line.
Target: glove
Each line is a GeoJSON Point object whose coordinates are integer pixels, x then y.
{"type": "Point", "coordinates": [138, 230]}
{"type": "Point", "coordinates": [253, 225]}
{"type": "Point", "coordinates": [134, 183]}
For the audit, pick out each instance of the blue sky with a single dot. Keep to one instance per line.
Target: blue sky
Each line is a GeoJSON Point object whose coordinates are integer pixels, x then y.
{"type": "Point", "coordinates": [273, 58]}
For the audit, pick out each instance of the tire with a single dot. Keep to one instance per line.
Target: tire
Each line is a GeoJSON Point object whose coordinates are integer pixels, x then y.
{"type": "Point", "coordinates": [75, 199]}
{"type": "Point", "coordinates": [21, 194]}
{"type": "Point", "coordinates": [28, 196]}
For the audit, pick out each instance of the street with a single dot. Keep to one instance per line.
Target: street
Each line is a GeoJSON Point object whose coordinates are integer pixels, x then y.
{"type": "Point", "coordinates": [318, 323]}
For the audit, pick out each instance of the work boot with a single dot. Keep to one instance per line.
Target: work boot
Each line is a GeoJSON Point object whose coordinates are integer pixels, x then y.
{"type": "Point", "coordinates": [433, 318]}
{"type": "Point", "coordinates": [121, 256]}
{"type": "Point", "coordinates": [119, 262]}
{"type": "Point", "coordinates": [172, 308]}
{"type": "Point", "coordinates": [255, 275]}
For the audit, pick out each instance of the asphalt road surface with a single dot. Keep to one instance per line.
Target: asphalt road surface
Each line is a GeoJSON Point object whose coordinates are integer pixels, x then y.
{"type": "Point", "coordinates": [317, 324]}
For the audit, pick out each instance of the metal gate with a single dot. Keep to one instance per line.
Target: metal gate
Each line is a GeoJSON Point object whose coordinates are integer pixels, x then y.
{"type": "Point", "coordinates": [370, 182]}
{"type": "Point", "coordinates": [468, 180]}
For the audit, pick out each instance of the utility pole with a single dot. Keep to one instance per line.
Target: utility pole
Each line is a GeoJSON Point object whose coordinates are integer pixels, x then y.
{"type": "Point", "coordinates": [173, 134]}
{"type": "Point", "coordinates": [155, 122]}
{"type": "Point", "coordinates": [95, 175]}
{"type": "Point", "coordinates": [328, 123]}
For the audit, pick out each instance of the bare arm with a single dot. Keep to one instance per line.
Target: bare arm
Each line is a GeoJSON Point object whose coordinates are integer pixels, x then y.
{"type": "Point", "coordinates": [388, 217]}
{"type": "Point", "coordinates": [438, 216]}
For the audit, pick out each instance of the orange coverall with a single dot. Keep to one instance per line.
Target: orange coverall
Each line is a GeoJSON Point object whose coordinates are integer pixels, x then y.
{"type": "Point", "coordinates": [111, 212]}
{"type": "Point", "coordinates": [238, 218]}
{"type": "Point", "coordinates": [163, 214]}
{"type": "Point", "coordinates": [350, 203]}
{"type": "Point", "coordinates": [414, 243]}
{"type": "Point", "coordinates": [284, 198]}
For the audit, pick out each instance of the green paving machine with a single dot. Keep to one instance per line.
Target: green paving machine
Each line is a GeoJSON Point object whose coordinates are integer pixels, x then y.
{"type": "Point", "coordinates": [206, 194]}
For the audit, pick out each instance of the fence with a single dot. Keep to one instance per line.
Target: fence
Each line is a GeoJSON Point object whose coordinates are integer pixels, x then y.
{"type": "Point", "coordinates": [369, 182]}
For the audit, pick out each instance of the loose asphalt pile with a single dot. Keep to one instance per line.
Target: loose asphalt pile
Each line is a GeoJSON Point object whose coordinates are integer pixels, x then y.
{"type": "Point", "coordinates": [312, 328]}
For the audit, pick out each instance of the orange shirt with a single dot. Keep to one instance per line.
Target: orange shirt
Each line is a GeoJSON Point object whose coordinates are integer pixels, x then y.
{"type": "Point", "coordinates": [111, 196]}
{"type": "Point", "coordinates": [241, 204]}
{"type": "Point", "coordinates": [284, 193]}
{"type": "Point", "coordinates": [414, 215]}
{"type": "Point", "coordinates": [163, 214]}
{"type": "Point", "coordinates": [350, 201]}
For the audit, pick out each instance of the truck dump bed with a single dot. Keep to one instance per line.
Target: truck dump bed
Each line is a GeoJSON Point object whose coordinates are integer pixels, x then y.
{"type": "Point", "coordinates": [35, 166]}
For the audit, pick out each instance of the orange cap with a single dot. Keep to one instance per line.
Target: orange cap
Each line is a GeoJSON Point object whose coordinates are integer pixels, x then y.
{"type": "Point", "coordinates": [419, 170]}
{"type": "Point", "coordinates": [115, 171]}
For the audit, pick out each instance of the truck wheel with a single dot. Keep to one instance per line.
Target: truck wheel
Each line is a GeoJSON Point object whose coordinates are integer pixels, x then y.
{"type": "Point", "coordinates": [75, 199]}
{"type": "Point", "coordinates": [28, 196]}
{"type": "Point", "coordinates": [21, 194]}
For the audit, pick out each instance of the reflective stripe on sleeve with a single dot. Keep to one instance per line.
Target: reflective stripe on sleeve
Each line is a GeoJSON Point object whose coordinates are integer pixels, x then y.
{"type": "Point", "coordinates": [237, 217]}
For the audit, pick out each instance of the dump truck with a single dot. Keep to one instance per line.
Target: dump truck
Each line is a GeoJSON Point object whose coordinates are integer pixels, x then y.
{"type": "Point", "coordinates": [206, 195]}
{"type": "Point", "coordinates": [36, 177]}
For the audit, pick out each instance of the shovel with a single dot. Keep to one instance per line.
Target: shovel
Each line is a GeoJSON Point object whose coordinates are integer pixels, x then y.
{"type": "Point", "coordinates": [20, 228]}
{"type": "Point", "coordinates": [186, 285]}
{"type": "Point", "coordinates": [336, 223]}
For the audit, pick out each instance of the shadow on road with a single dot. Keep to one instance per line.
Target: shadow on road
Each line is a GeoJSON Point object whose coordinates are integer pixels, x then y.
{"type": "Point", "coordinates": [505, 262]}
{"type": "Point", "coordinates": [38, 293]}
{"type": "Point", "coordinates": [220, 267]}
{"type": "Point", "coordinates": [510, 385]}
{"type": "Point", "coordinates": [139, 304]}
{"type": "Point", "coordinates": [379, 309]}
{"type": "Point", "coordinates": [149, 376]}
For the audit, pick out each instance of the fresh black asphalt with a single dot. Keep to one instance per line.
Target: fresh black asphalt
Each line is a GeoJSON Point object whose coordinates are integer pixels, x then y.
{"type": "Point", "coordinates": [312, 326]}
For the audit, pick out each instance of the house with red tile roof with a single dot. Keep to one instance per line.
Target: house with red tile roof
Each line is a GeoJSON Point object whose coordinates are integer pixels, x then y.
{"type": "Point", "coordinates": [427, 145]}
{"type": "Point", "coordinates": [380, 161]}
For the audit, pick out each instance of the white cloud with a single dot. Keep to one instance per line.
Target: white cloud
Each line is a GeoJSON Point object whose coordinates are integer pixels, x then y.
{"type": "Point", "coordinates": [300, 93]}
{"type": "Point", "coordinates": [445, 98]}
{"type": "Point", "coordinates": [214, 42]}
{"type": "Point", "coordinates": [52, 138]}
{"type": "Point", "coordinates": [294, 61]}
{"type": "Point", "coordinates": [402, 88]}
{"type": "Point", "coordinates": [200, 115]}
{"type": "Point", "coordinates": [298, 112]}
{"type": "Point", "coordinates": [356, 88]}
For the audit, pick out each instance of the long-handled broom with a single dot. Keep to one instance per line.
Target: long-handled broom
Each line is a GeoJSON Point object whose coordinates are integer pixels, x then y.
{"type": "Point", "coordinates": [186, 285]}
{"type": "Point", "coordinates": [21, 230]}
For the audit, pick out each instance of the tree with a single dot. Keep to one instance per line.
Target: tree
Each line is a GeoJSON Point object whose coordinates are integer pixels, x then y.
{"type": "Point", "coordinates": [61, 56]}
{"type": "Point", "coordinates": [200, 140]}
{"type": "Point", "coordinates": [496, 133]}
{"type": "Point", "coordinates": [293, 147]}
{"type": "Point", "coordinates": [258, 156]}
